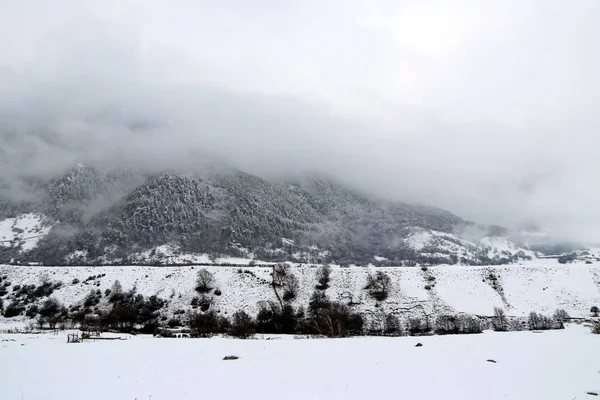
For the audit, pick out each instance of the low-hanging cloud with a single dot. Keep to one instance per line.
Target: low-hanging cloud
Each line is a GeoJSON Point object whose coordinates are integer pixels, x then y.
{"type": "Point", "coordinates": [488, 110]}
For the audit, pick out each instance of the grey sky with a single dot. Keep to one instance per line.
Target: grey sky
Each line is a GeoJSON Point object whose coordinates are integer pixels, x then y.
{"type": "Point", "coordinates": [486, 108]}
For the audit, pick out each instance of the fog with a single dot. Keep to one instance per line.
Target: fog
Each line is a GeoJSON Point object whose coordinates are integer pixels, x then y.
{"type": "Point", "coordinates": [487, 109]}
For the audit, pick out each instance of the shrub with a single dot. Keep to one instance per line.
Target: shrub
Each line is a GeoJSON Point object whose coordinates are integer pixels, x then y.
{"type": "Point", "coordinates": [44, 290]}
{"type": "Point", "coordinates": [424, 268]}
{"type": "Point", "coordinates": [323, 277]}
{"type": "Point", "coordinates": [16, 288]}
{"type": "Point", "coordinates": [204, 281]}
{"type": "Point", "coordinates": [217, 292]}
{"type": "Point", "coordinates": [32, 311]}
{"type": "Point", "coordinates": [3, 290]}
{"type": "Point", "coordinates": [75, 281]}
{"type": "Point", "coordinates": [14, 309]}
{"type": "Point", "coordinates": [332, 319]}
{"type": "Point", "coordinates": [595, 327]}
{"type": "Point", "coordinates": [174, 322]}
{"type": "Point", "coordinates": [595, 311]}
{"type": "Point", "coordinates": [378, 285]}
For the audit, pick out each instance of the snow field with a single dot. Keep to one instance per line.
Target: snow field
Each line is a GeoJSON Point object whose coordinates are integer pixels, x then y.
{"type": "Point", "coordinates": [551, 365]}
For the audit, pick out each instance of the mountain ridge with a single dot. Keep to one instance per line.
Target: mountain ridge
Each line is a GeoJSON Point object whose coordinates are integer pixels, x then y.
{"type": "Point", "coordinates": [111, 215]}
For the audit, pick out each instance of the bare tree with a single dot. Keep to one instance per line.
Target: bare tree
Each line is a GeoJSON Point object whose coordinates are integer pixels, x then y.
{"type": "Point", "coordinates": [204, 281]}
{"type": "Point", "coordinates": [378, 285]}
{"type": "Point", "coordinates": [280, 271]}
{"type": "Point", "coordinates": [499, 321]}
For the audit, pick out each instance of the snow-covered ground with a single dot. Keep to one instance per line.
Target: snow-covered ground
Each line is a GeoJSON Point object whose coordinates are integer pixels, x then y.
{"type": "Point", "coordinates": [26, 229]}
{"type": "Point", "coordinates": [551, 365]}
{"type": "Point", "coordinates": [541, 287]}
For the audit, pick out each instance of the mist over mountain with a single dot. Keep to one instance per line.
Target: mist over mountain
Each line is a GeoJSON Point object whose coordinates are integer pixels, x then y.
{"type": "Point", "coordinates": [487, 111]}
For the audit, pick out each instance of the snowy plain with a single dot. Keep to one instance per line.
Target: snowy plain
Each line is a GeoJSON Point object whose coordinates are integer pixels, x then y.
{"type": "Point", "coordinates": [561, 365]}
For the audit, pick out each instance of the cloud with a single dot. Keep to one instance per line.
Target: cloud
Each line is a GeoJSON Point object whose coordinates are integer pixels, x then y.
{"type": "Point", "coordinates": [488, 109]}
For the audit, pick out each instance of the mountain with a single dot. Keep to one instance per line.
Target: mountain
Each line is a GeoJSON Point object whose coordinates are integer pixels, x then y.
{"type": "Point", "coordinates": [93, 216]}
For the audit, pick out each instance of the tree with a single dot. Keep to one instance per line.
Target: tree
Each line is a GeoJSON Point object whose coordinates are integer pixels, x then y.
{"type": "Point", "coordinates": [392, 325]}
{"type": "Point", "coordinates": [499, 321]}
{"type": "Point", "coordinates": [280, 272]}
{"type": "Point", "coordinates": [205, 281]}
{"type": "Point", "coordinates": [323, 277]}
{"type": "Point", "coordinates": [116, 292]}
{"type": "Point", "coordinates": [378, 285]}
{"type": "Point", "coordinates": [204, 324]}
{"type": "Point", "coordinates": [242, 325]}
{"type": "Point", "coordinates": [539, 322]}
{"type": "Point", "coordinates": [291, 286]}
{"type": "Point", "coordinates": [561, 315]}
{"type": "Point", "coordinates": [595, 311]}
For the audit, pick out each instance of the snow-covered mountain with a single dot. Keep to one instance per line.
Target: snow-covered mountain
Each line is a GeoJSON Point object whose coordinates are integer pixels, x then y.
{"type": "Point", "coordinates": [92, 216]}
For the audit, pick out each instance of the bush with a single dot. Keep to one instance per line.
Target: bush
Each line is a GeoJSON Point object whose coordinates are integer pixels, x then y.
{"type": "Point", "coordinates": [217, 292]}
{"type": "Point", "coordinates": [44, 290]}
{"type": "Point", "coordinates": [75, 281]}
{"type": "Point", "coordinates": [32, 311]}
{"type": "Point", "coordinates": [174, 322]}
{"type": "Point", "coordinates": [14, 309]}
{"type": "Point", "coordinates": [378, 285]}
{"type": "Point", "coordinates": [595, 311]}
{"type": "Point", "coordinates": [595, 328]}
{"type": "Point", "coordinates": [16, 288]}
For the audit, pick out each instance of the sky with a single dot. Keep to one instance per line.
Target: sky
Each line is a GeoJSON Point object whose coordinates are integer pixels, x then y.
{"type": "Point", "coordinates": [486, 108]}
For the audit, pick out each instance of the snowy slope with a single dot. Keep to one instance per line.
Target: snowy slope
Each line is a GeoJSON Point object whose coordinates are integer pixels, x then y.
{"type": "Point", "coordinates": [554, 365]}
{"type": "Point", "coordinates": [519, 290]}
{"type": "Point", "coordinates": [26, 229]}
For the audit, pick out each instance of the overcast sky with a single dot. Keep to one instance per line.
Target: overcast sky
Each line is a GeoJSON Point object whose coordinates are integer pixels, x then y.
{"type": "Point", "coordinates": [487, 108]}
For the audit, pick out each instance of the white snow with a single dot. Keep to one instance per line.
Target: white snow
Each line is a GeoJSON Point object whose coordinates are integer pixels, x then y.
{"type": "Point", "coordinates": [541, 288]}
{"type": "Point", "coordinates": [551, 365]}
{"type": "Point", "coordinates": [26, 229]}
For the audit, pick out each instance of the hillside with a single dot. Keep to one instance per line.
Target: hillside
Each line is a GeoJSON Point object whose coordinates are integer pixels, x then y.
{"type": "Point", "coordinates": [91, 216]}
{"type": "Point", "coordinates": [414, 292]}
